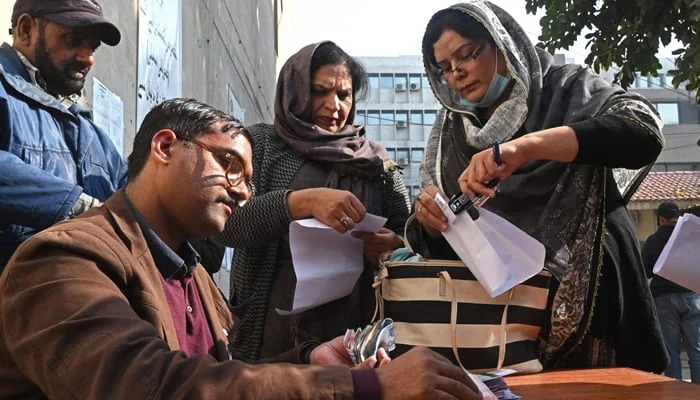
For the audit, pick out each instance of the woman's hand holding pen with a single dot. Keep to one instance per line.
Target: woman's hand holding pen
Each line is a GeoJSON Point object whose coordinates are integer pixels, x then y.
{"type": "Point", "coordinates": [555, 144]}
{"type": "Point", "coordinates": [496, 162]}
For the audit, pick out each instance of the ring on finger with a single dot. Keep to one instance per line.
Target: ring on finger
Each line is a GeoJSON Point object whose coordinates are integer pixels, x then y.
{"type": "Point", "coordinates": [346, 221]}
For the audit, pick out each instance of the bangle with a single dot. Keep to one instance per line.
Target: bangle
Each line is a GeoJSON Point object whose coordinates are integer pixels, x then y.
{"type": "Point", "coordinates": [305, 351]}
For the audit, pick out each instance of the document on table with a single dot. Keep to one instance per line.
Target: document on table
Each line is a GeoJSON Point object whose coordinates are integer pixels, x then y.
{"type": "Point", "coordinates": [326, 262]}
{"type": "Point", "coordinates": [679, 261]}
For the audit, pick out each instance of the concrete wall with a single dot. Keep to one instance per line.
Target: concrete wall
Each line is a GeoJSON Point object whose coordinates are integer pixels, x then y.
{"type": "Point", "coordinates": [5, 16]}
{"type": "Point", "coordinates": [116, 66]}
{"type": "Point", "coordinates": [225, 44]}
{"type": "Point", "coordinates": [230, 43]}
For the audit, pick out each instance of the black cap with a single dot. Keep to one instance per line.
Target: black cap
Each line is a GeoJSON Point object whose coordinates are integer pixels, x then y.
{"type": "Point", "coordinates": [668, 209]}
{"type": "Point", "coordinates": [70, 13]}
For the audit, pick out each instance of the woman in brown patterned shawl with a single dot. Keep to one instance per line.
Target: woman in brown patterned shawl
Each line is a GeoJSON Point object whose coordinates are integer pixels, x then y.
{"type": "Point", "coordinates": [314, 162]}
{"type": "Point", "coordinates": [562, 129]}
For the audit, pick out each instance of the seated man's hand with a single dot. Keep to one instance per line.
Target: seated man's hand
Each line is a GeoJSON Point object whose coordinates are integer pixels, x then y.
{"type": "Point", "coordinates": [423, 374]}
{"type": "Point", "coordinates": [333, 352]}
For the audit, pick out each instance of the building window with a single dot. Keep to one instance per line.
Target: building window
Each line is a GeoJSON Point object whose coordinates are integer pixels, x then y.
{"type": "Point", "coordinates": [374, 81]}
{"type": "Point", "coordinates": [414, 193]}
{"type": "Point", "coordinates": [414, 81]}
{"type": "Point", "coordinates": [360, 117]}
{"type": "Point", "coordinates": [392, 153]}
{"type": "Point", "coordinates": [416, 155]}
{"type": "Point", "coordinates": [426, 83]}
{"type": "Point", "coordinates": [416, 117]}
{"type": "Point", "coordinates": [669, 112]}
{"type": "Point", "coordinates": [400, 79]}
{"type": "Point", "coordinates": [402, 156]}
{"type": "Point", "coordinates": [387, 117]}
{"type": "Point", "coordinates": [372, 117]}
{"type": "Point", "coordinates": [401, 119]}
{"type": "Point", "coordinates": [637, 80]}
{"type": "Point", "coordinates": [386, 81]}
{"type": "Point", "coordinates": [429, 117]}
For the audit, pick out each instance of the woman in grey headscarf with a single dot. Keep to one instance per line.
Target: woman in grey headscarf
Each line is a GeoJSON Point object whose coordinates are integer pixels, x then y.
{"type": "Point", "coordinates": [314, 162]}
{"type": "Point", "coordinates": [561, 129]}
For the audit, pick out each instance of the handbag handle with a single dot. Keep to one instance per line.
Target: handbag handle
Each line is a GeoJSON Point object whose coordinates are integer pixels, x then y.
{"type": "Point", "coordinates": [404, 239]}
{"type": "Point", "coordinates": [377, 285]}
{"type": "Point", "coordinates": [382, 272]}
{"type": "Point", "coordinates": [445, 277]}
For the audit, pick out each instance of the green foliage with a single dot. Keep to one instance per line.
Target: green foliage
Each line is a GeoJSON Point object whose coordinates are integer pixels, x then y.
{"type": "Point", "coordinates": [626, 33]}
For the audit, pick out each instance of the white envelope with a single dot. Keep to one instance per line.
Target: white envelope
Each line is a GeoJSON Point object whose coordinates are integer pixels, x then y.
{"type": "Point", "coordinates": [498, 253]}
{"type": "Point", "coordinates": [326, 262]}
{"type": "Point", "coordinates": [679, 261]}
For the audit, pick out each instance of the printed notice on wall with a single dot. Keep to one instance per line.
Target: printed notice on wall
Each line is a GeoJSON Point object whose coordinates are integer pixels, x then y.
{"type": "Point", "coordinates": [160, 60]}
{"type": "Point", "coordinates": [108, 113]}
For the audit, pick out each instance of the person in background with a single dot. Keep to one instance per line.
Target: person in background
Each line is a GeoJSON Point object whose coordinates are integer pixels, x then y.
{"type": "Point", "coordinates": [313, 162]}
{"type": "Point", "coordinates": [55, 162]}
{"type": "Point", "coordinates": [114, 304]}
{"type": "Point", "coordinates": [561, 129]}
{"type": "Point", "coordinates": [678, 308]}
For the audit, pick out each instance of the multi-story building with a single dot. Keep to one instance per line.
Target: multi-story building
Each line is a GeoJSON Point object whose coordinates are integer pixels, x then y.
{"type": "Point", "coordinates": [399, 111]}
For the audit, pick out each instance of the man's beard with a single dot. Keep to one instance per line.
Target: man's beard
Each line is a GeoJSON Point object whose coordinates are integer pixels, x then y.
{"type": "Point", "coordinates": [59, 80]}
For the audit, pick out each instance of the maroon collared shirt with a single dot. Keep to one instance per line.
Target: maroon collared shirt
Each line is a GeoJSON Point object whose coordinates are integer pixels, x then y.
{"type": "Point", "coordinates": [191, 324]}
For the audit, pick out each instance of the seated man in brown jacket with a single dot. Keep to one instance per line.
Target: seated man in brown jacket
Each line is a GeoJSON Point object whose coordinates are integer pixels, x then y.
{"type": "Point", "coordinates": [113, 304]}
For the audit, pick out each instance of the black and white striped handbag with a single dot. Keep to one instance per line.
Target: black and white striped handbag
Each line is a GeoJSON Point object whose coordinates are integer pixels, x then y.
{"type": "Point", "coordinates": [441, 305]}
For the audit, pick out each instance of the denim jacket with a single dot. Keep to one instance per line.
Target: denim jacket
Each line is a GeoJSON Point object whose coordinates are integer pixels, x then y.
{"type": "Point", "coordinates": [49, 155]}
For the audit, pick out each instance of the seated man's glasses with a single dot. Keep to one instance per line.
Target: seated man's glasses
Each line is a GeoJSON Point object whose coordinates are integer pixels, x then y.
{"type": "Point", "coordinates": [234, 170]}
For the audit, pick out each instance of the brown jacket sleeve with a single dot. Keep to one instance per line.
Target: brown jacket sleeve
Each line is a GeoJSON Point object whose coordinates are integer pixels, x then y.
{"type": "Point", "coordinates": [67, 326]}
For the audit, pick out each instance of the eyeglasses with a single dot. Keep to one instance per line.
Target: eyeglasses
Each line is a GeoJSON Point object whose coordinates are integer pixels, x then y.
{"type": "Point", "coordinates": [233, 168]}
{"type": "Point", "coordinates": [472, 55]}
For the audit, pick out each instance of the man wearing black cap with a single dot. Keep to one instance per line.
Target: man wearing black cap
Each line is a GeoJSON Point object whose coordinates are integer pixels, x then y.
{"type": "Point", "coordinates": [678, 307]}
{"type": "Point", "coordinates": [55, 162]}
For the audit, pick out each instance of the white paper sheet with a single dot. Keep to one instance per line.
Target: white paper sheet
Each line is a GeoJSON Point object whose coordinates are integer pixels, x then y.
{"type": "Point", "coordinates": [498, 253]}
{"type": "Point", "coordinates": [326, 262]}
{"type": "Point", "coordinates": [679, 261]}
